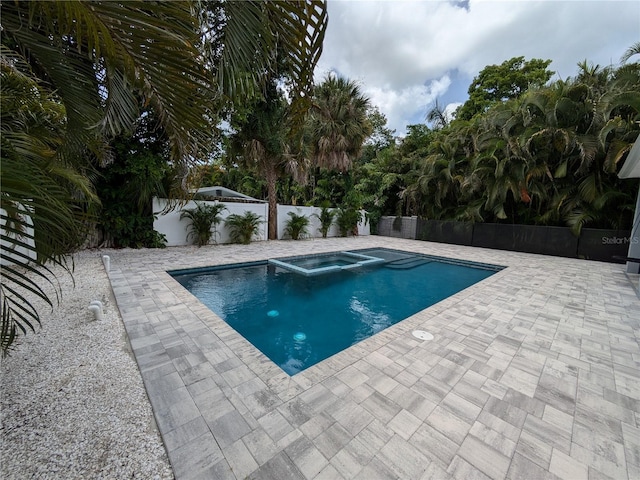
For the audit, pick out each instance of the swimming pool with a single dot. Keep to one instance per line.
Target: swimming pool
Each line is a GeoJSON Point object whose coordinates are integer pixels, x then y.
{"type": "Point", "coordinates": [298, 320]}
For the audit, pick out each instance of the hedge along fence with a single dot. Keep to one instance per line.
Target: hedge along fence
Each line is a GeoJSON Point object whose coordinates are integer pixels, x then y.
{"type": "Point", "coordinates": [593, 244]}
{"type": "Point", "coordinates": [176, 231]}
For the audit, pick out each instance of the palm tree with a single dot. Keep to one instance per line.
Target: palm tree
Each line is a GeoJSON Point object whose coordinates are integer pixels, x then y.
{"type": "Point", "coordinates": [296, 226]}
{"type": "Point", "coordinates": [158, 54]}
{"type": "Point", "coordinates": [263, 142]}
{"type": "Point", "coordinates": [548, 157]}
{"type": "Point", "coordinates": [631, 51]}
{"type": "Point", "coordinates": [347, 219]}
{"type": "Point", "coordinates": [43, 202]}
{"type": "Point", "coordinates": [204, 220]}
{"type": "Point", "coordinates": [326, 217]}
{"type": "Point", "coordinates": [437, 116]}
{"type": "Point", "coordinates": [436, 191]}
{"type": "Point", "coordinates": [563, 143]}
{"type": "Point", "coordinates": [101, 58]}
{"type": "Point", "coordinates": [338, 124]}
{"type": "Point", "coordinates": [242, 228]}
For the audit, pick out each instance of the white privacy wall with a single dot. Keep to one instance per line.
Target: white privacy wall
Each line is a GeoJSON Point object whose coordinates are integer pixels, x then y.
{"type": "Point", "coordinates": [176, 230]}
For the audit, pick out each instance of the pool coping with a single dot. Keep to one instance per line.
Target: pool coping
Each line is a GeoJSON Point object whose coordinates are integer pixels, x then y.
{"type": "Point", "coordinates": [210, 387]}
{"type": "Point", "coordinates": [256, 360]}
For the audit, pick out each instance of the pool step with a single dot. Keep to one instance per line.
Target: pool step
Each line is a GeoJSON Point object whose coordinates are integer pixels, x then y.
{"type": "Point", "coordinates": [407, 263]}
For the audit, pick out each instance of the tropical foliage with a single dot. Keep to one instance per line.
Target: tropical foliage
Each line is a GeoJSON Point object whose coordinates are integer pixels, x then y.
{"type": "Point", "coordinates": [44, 202]}
{"type": "Point", "coordinates": [326, 217]}
{"type": "Point", "coordinates": [242, 228]}
{"type": "Point", "coordinates": [538, 153]}
{"type": "Point", "coordinates": [204, 220]}
{"type": "Point", "coordinates": [182, 59]}
{"type": "Point", "coordinates": [497, 83]}
{"type": "Point", "coordinates": [263, 142]}
{"type": "Point", "coordinates": [268, 141]}
{"type": "Point", "coordinates": [548, 157]}
{"type": "Point", "coordinates": [138, 172]}
{"type": "Point", "coordinates": [338, 124]}
{"type": "Point", "coordinates": [297, 226]}
{"type": "Point", "coordinates": [347, 220]}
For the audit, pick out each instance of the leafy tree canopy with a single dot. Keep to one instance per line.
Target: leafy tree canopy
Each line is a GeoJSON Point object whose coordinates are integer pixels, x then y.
{"type": "Point", "coordinates": [381, 136]}
{"type": "Point", "coordinates": [78, 72]}
{"type": "Point", "coordinates": [139, 171]}
{"type": "Point", "coordinates": [496, 83]}
{"type": "Point", "coordinates": [338, 124]}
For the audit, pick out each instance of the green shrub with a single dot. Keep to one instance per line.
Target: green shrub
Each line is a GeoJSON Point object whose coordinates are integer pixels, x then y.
{"type": "Point", "coordinates": [297, 226]}
{"type": "Point", "coordinates": [204, 220]}
{"type": "Point", "coordinates": [155, 239]}
{"type": "Point", "coordinates": [123, 228]}
{"type": "Point", "coordinates": [347, 221]}
{"type": "Point", "coordinates": [326, 220]}
{"type": "Point", "coordinates": [242, 228]}
{"type": "Point", "coordinates": [126, 187]}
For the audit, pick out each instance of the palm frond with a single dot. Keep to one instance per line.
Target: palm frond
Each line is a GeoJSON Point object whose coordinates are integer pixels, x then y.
{"type": "Point", "coordinates": [630, 52]}
{"type": "Point", "coordinates": [576, 219]}
{"type": "Point", "coordinates": [254, 30]}
{"type": "Point", "coordinates": [338, 123]}
{"type": "Point", "coordinates": [587, 147]}
{"type": "Point", "coordinates": [43, 203]}
{"type": "Point", "coordinates": [101, 58]}
{"type": "Point", "coordinates": [616, 152]}
{"type": "Point", "coordinates": [95, 53]}
{"type": "Point", "coordinates": [588, 188]}
{"type": "Point", "coordinates": [628, 99]}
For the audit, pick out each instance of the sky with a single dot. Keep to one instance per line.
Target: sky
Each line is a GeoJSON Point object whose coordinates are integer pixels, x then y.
{"type": "Point", "coordinates": [405, 55]}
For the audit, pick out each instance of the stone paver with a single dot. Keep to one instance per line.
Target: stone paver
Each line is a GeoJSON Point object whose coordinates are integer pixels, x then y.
{"type": "Point", "coordinates": [533, 373]}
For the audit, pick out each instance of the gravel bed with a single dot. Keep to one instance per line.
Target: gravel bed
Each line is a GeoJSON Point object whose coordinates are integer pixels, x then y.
{"type": "Point", "coordinates": [72, 402]}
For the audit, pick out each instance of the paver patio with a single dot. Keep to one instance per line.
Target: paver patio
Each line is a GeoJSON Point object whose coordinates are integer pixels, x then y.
{"type": "Point", "coordinates": [533, 373]}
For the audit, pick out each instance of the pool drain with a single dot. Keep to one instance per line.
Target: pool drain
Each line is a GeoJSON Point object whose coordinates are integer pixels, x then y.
{"type": "Point", "coordinates": [299, 337]}
{"type": "Point", "coordinates": [422, 335]}
{"type": "Point", "coordinates": [273, 313]}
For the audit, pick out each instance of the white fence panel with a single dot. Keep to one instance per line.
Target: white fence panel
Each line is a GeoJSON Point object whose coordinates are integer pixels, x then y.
{"type": "Point", "coordinates": [8, 247]}
{"type": "Point", "coordinates": [176, 230]}
{"type": "Point", "coordinates": [312, 213]}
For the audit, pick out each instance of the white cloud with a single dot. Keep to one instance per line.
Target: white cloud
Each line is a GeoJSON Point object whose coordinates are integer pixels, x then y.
{"type": "Point", "coordinates": [403, 106]}
{"type": "Point", "coordinates": [450, 110]}
{"type": "Point", "coordinates": [400, 51]}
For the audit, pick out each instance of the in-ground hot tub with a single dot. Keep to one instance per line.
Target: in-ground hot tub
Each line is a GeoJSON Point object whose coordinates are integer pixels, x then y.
{"type": "Point", "coordinates": [326, 262]}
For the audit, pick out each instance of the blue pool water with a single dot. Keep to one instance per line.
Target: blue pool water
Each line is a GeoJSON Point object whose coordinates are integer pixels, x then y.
{"type": "Point", "coordinates": [298, 321]}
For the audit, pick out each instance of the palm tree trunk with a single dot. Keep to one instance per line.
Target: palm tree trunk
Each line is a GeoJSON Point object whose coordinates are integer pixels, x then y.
{"type": "Point", "coordinates": [272, 177]}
